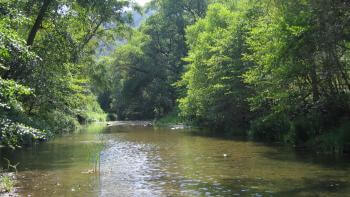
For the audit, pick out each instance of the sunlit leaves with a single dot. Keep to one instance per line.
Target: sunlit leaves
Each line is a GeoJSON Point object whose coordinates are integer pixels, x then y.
{"type": "Point", "coordinates": [16, 134]}
{"type": "Point", "coordinates": [215, 90]}
{"type": "Point", "coordinates": [51, 76]}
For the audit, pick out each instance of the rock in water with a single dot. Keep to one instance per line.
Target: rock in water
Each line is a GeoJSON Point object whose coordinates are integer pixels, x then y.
{"type": "Point", "coordinates": [148, 124]}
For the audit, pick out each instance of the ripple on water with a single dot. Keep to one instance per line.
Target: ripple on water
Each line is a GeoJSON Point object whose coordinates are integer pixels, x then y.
{"type": "Point", "coordinates": [128, 169]}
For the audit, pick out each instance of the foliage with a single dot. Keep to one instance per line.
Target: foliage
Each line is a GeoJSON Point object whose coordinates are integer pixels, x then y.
{"type": "Point", "coordinates": [143, 71]}
{"type": "Point", "coordinates": [301, 65]}
{"type": "Point", "coordinates": [14, 134]}
{"type": "Point", "coordinates": [92, 112]}
{"type": "Point", "coordinates": [276, 67]}
{"type": "Point", "coordinates": [46, 48]}
{"type": "Point", "coordinates": [335, 140]}
{"type": "Point", "coordinates": [216, 95]}
{"type": "Point", "coordinates": [15, 131]}
{"type": "Point", "coordinates": [172, 118]}
{"type": "Point", "coordinates": [272, 128]}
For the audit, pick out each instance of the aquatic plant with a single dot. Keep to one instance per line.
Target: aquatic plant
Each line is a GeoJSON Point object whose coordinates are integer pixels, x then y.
{"type": "Point", "coordinates": [6, 183]}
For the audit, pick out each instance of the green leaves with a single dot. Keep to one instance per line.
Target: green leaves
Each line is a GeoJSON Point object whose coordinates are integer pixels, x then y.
{"type": "Point", "coordinates": [215, 89]}
{"type": "Point", "coordinates": [16, 134]}
{"type": "Point", "coordinates": [12, 132]}
{"type": "Point", "coordinates": [144, 69]}
{"type": "Point", "coordinates": [52, 75]}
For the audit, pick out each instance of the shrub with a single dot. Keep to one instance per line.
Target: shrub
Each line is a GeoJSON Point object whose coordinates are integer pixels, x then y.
{"type": "Point", "coordinates": [14, 134]}
{"type": "Point", "coordinates": [60, 122]}
{"type": "Point", "coordinates": [333, 140]}
{"type": "Point", "coordinates": [274, 127]}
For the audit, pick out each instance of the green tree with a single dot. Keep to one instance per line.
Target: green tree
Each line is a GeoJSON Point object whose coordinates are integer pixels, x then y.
{"type": "Point", "coordinates": [302, 61]}
{"type": "Point", "coordinates": [47, 46]}
{"type": "Point", "coordinates": [216, 95]}
{"type": "Point", "coordinates": [151, 61]}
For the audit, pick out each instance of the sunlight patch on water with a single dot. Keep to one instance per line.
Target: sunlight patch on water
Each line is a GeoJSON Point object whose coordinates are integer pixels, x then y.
{"type": "Point", "coordinates": [127, 169]}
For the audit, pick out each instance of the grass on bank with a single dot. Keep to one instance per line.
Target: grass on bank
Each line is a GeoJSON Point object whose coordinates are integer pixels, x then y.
{"type": "Point", "coordinates": [170, 119]}
{"type": "Point", "coordinates": [7, 183]}
{"type": "Point", "coordinates": [92, 116]}
{"type": "Point", "coordinates": [92, 113]}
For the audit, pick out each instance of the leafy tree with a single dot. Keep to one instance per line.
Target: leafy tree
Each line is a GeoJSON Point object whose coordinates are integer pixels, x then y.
{"type": "Point", "coordinates": [216, 95]}
{"type": "Point", "coordinates": [46, 48]}
{"type": "Point", "coordinates": [298, 47]}
{"type": "Point", "coordinates": [14, 52]}
{"type": "Point", "coordinates": [151, 61]}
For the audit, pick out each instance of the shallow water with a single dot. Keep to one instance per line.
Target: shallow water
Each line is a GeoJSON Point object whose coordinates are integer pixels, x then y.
{"type": "Point", "coordinates": [142, 161]}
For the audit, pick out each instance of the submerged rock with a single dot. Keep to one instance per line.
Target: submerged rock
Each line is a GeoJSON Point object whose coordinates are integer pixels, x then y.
{"type": "Point", "coordinates": [148, 124]}
{"type": "Point", "coordinates": [177, 127]}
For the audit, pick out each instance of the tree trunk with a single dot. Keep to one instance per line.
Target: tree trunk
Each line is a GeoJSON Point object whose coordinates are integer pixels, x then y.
{"type": "Point", "coordinates": [38, 22]}
{"type": "Point", "coordinates": [314, 83]}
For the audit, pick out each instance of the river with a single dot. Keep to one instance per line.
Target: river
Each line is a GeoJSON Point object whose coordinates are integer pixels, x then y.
{"type": "Point", "coordinates": [126, 160]}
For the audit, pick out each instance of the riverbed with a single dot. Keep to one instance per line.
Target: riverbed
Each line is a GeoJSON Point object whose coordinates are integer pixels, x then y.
{"type": "Point", "coordinates": [135, 160]}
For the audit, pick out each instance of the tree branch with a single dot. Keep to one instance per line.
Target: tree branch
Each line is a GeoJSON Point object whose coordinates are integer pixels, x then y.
{"type": "Point", "coordinates": [38, 21]}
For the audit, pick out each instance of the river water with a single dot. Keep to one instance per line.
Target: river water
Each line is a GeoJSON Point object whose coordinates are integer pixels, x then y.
{"type": "Point", "coordinates": [141, 161]}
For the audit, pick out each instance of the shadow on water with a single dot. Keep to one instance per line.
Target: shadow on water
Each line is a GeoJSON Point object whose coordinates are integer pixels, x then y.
{"type": "Point", "coordinates": [328, 186]}
{"type": "Point", "coordinates": [124, 129]}
{"type": "Point", "coordinates": [214, 134]}
{"type": "Point", "coordinates": [309, 157]}
{"type": "Point", "coordinates": [322, 186]}
{"type": "Point", "coordinates": [59, 153]}
{"type": "Point", "coordinates": [278, 151]}
{"type": "Point", "coordinates": [57, 156]}
{"type": "Point", "coordinates": [340, 162]}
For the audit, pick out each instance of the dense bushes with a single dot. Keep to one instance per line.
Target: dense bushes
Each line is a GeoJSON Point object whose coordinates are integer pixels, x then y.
{"type": "Point", "coordinates": [15, 134]}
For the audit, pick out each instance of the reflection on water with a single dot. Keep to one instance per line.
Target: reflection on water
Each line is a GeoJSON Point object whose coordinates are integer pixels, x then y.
{"type": "Point", "coordinates": [139, 161]}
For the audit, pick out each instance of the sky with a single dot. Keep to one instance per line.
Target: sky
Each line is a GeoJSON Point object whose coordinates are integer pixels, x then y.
{"type": "Point", "coordinates": [142, 2]}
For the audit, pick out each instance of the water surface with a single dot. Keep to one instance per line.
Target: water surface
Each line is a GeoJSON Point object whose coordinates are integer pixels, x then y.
{"type": "Point", "coordinates": [141, 161]}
